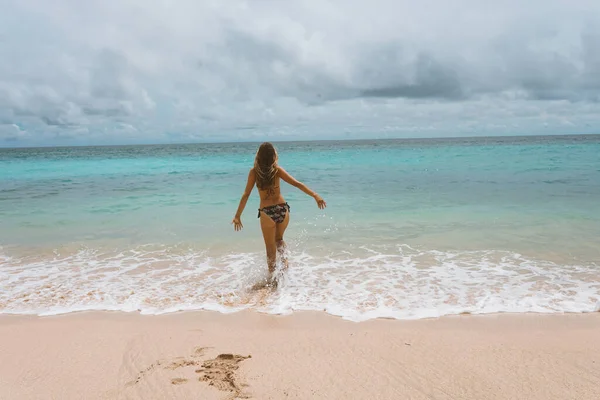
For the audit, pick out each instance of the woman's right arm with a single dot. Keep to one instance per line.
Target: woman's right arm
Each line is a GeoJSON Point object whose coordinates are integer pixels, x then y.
{"type": "Point", "coordinates": [237, 220]}
{"type": "Point", "coordinates": [290, 179]}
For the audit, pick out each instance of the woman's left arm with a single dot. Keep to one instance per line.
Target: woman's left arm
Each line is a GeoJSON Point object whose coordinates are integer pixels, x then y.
{"type": "Point", "coordinates": [283, 174]}
{"type": "Point", "coordinates": [237, 220]}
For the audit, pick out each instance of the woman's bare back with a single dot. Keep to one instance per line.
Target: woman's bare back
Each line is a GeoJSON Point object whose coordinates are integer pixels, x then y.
{"type": "Point", "coordinates": [271, 195]}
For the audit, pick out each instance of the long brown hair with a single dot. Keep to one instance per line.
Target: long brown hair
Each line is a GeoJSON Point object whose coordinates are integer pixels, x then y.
{"type": "Point", "coordinates": [265, 165]}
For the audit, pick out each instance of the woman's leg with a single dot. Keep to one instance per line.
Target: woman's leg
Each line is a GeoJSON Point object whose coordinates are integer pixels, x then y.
{"type": "Point", "coordinates": [279, 231]}
{"type": "Point", "coordinates": [268, 227]}
{"type": "Point", "coordinates": [280, 228]}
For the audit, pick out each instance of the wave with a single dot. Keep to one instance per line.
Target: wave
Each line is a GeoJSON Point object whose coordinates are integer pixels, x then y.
{"type": "Point", "coordinates": [397, 282]}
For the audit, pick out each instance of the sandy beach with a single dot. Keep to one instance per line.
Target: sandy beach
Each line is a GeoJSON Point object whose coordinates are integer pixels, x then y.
{"type": "Point", "coordinates": [203, 355]}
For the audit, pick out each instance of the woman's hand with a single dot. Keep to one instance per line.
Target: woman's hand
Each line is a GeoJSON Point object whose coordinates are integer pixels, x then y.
{"type": "Point", "coordinates": [320, 202]}
{"type": "Point", "coordinates": [237, 224]}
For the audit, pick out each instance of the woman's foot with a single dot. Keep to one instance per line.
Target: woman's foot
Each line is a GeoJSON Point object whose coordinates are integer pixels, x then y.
{"type": "Point", "coordinates": [268, 283]}
{"type": "Point", "coordinates": [272, 283]}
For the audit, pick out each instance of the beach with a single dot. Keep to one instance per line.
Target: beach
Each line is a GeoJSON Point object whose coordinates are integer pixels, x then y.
{"type": "Point", "coordinates": [205, 355]}
{"type": "Point", "coordinates": [441, 269]}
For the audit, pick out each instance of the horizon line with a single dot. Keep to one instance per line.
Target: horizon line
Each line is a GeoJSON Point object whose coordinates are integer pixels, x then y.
{"type": "Point", "coordinates": [303, 140]}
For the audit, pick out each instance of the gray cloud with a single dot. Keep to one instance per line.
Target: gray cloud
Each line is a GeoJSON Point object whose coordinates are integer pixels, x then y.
{"type": "Point", "coordinates": [235, 70]}
{"type": "Point", "coordinates": [431, 80]}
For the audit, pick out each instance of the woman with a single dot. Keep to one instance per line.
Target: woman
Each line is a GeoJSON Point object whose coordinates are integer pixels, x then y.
{"type": "Point", "coordinates": [274, 212]}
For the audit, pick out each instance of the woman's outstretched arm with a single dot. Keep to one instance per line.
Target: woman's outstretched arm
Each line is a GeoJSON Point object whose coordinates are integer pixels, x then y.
{"type": "Point", "coordinates": [237, 220]}
{"type": "Point", "coordinates": [290, 179]}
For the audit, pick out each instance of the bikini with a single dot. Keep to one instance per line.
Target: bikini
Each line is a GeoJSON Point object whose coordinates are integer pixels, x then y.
{"type": "Point", "coordinates": [276, 212]}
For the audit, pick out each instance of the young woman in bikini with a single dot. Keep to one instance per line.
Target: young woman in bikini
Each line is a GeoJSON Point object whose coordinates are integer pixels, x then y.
{"type": "Point", "coordinates": [274, 212]}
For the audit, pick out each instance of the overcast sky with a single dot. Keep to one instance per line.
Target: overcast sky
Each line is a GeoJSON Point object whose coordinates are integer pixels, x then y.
{"type": "Point", "coordinates": [147, 71]}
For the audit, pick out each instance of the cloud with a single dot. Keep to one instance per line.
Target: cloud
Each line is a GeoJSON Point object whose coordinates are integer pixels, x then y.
{"type": "Point", "coordinates": [431, 80]}
{"type": "Point", "coordinates": [136, 70]}
{"type": "Point", "coordinates": [11, 132]}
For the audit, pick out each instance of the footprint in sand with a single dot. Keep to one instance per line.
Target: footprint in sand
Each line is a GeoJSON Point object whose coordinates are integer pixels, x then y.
{"type": "Point", "coordinates": [173, 364]}
{"type": "Point", "coordinates": [218, 372]}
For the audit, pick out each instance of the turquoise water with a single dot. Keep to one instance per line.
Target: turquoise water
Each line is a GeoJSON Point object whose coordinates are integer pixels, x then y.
{"type": "Point", "coordinates": [413, 228]}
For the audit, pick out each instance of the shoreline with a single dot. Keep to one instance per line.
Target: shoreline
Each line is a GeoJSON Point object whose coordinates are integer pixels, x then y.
{"type": "Point", "coordinates": [202, 354]}
{"type": "Point", "coordinates": [401, 282]}
{"type": "Point", "coordinates": [18, 315]}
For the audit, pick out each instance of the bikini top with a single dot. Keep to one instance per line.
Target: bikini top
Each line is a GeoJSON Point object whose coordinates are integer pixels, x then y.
{"type": "Point", "coordinates": [271, 190]}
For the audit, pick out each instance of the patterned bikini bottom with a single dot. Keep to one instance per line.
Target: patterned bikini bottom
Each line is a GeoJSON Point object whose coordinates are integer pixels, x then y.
{"type": "Point", "coordinates": [276, 212]}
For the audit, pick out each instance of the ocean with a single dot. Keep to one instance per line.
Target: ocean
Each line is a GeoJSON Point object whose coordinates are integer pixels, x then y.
{"type": "Point", "coordinates": [414, 228]}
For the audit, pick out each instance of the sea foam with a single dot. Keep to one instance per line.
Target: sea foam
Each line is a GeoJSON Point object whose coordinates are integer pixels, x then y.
{"type": "Point", "coordinates": [387, 282]}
